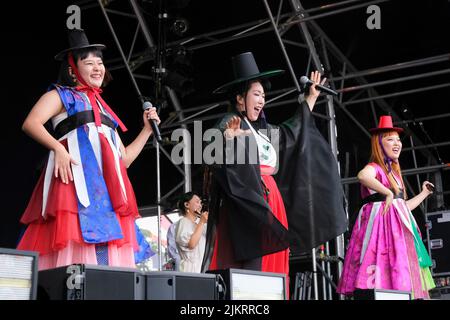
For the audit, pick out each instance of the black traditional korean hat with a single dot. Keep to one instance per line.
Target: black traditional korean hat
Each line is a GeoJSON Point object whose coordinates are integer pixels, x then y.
{"type": "Point", "coordinates": [245, 69]}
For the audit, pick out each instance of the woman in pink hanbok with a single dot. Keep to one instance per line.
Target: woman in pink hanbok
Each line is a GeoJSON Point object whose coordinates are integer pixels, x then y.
{"type": "Point", "coordinates": [386, 250]}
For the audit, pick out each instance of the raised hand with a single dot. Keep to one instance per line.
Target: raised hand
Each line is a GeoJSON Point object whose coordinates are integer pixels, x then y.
{"type": "Point", "coordinates": [313, 92]}
{"type": "Point", "coordinates": [315, 77]}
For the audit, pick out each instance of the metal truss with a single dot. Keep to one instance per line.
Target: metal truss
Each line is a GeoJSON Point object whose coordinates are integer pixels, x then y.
{"type": "Point", "coordinates": [131, 66]}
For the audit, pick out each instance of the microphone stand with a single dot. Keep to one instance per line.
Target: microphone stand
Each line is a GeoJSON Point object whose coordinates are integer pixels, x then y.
{"type": "Point", "coordinates": [159, 73]}
{"type": "Point", "coordinates": [408, 115]}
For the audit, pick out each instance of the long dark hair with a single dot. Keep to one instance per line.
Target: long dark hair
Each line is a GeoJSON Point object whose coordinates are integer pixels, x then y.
{"type": "Point", "coordinates": [64, 77]}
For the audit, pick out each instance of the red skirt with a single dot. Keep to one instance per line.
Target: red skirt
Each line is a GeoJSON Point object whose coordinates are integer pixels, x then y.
{"type": "Point", "coordinates": [58, 237]}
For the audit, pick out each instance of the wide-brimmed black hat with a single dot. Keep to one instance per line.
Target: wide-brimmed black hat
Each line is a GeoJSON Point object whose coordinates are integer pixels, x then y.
{"type": "Point", "coordinates": [78, 40]}
{"type": "Point", "coordinates": [244, 69]}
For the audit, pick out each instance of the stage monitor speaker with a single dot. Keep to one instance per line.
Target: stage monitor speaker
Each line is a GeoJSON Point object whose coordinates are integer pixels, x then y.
{"type": "Point", "coordinates": [91, 282]}
{"type": "Point", "coordinates": [173, 285]}
{"type": "Point", "coordinates": [18, 274]}
{"type": "Point", "coordinates": [381, 294]}
{"type": "Point", "coordinates": [252, 285]}
{"type": "Point", "coordinates": [438, 239]}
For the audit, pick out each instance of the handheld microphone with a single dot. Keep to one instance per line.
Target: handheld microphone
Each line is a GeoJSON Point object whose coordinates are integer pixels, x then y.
{"type": "Point", "coordinates": [306, 82]}
{"type": "Point", "coordinates": [147, 105]}
{"type": "Point", "coordinates": [198, 213]}
{"type": "Point", "coordinates": [326, 258]}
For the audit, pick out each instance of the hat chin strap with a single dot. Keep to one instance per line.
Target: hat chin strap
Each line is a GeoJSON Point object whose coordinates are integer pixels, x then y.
{"type": "Point", "coordinates": [94, 95]}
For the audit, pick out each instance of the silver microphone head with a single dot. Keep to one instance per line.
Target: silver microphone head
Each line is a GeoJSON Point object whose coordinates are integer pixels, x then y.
{"type": "Point", "coordinates": [147, 105]}
{"type": "Point", "coordinates": [304, 80]}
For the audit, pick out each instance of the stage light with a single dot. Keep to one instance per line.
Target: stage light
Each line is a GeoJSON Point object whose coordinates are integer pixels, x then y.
{"type": "Point", "coordinates": [180, 26]}
{"type": "Point", "coordinates": [178, 82]}
{"type": "Point", "coordinates": [181, 56]}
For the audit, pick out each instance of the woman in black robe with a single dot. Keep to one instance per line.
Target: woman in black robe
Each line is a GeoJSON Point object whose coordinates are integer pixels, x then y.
{"type": "Point", "coordinates": [249, 214]}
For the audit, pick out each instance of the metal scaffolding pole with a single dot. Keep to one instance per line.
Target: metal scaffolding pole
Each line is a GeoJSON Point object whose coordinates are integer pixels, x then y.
{"type": "Point", "coordinates": [339, 241]}
{"type": "Point", "coordinates": [125, 61]}
{"type": "Point", "coordinates": [148, 37]}
{"type": "Point", "coordinates": [415, 163]}
{"type": "Point", "coordinates": [187, 150]}
{"type": "Point", "coordinates": [394, 67]}
{"type": "Point", "coordinates": [332, 132]}
{"type": "Point", "coordinates": [253, 24]}
{"type": "Point", "coordinates": [158, 199]}
{"type": "Point", "coordinates": [401, 93]}
{"type": "Point", "coordinates": [297, 85]}
{"type": "Point", "coordinates": [360, 79]}
{"type": "Point", "coordinates": [327, 14]}
{"type": "Point", "coordinates": [122, 54]}
{"type": "Point", "coordinates": [353, 73]}
{"type": "Point", "coordinates": [426, 146]}
{"type": "Point", "coordinates": [283, 49]}
{"type": "Point", "coordinates": [438, 116]}
{"type": "Point", "coordinates": [381, 83]}
{"type": "Point", "coordinates": [280, 27]}
{"type": "Point", "coordinates": [407, 172]}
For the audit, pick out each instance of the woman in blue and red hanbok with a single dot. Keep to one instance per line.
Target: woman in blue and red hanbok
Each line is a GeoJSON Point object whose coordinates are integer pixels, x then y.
{"type": "Point", "coordinates": [83, 208]}
{"type": "Point", "coordinates": [386, 250]}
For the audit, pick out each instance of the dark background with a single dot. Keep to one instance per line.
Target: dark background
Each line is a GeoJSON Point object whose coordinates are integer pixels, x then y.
{"type": "Point", "coordinates": [34, 32]}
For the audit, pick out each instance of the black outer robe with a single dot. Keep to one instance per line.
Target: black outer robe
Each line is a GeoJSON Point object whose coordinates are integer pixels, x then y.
{"type": "Point", "coordinates": [309, 183]}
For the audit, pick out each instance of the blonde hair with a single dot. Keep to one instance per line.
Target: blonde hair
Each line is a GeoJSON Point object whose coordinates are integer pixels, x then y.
{"type": "Point", "coordinates": [377, 156]}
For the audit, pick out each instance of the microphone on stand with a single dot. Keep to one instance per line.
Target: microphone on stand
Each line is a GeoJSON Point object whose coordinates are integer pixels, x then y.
{"type": "Point", "coordinates": [407, 114]}
{"type": "Point", "coordinates": [147, 105]}
{"type": "Point", "coordinates": [306, 82]}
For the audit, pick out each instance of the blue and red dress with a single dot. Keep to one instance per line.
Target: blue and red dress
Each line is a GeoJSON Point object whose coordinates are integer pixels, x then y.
{"type": "Point", "coordinates": [90, 220]}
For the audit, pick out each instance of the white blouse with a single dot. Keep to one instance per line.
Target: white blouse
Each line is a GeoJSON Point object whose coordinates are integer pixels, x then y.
{"type": "Point", "coordinates": [191, 259]}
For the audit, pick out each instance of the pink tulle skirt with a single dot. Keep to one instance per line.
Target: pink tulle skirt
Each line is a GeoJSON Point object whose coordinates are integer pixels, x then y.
{"type": "Point", "coordinates": [58, 237]}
